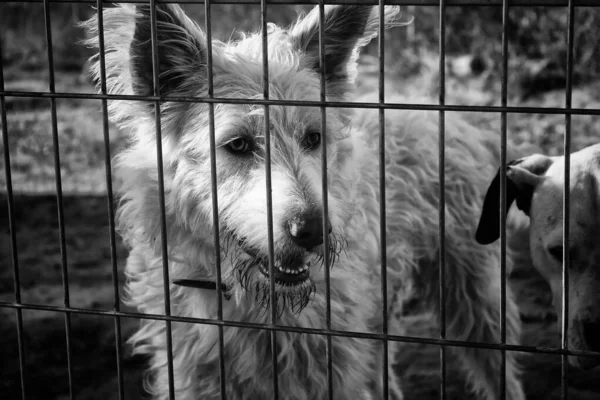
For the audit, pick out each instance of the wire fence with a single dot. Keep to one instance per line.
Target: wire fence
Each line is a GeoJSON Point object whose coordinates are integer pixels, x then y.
{"type": "Point", "coordinates": [381, 105]}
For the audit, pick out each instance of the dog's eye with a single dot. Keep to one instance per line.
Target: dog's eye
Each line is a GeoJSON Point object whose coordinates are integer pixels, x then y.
{"type": "Point", "coordinates": [556, 252]}
{"type": "Point", "coordinates": [239, 145]}
{"type": "Point", "coordinates": [312, 140]}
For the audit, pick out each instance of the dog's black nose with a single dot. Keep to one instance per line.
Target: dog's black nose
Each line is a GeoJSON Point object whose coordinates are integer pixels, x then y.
{"type": "Point", "coordinates": [591, 334]}
{"type": "Point", "coordinates": [307, 231]}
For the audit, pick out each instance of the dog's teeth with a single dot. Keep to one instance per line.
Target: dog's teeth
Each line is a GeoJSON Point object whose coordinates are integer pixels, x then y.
{"type": "Point", "coordinates": [292, 271]}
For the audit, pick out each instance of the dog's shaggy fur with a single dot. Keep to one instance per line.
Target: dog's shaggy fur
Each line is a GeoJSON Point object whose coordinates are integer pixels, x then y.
{"type": "Point", "coordinates": [412, 192]}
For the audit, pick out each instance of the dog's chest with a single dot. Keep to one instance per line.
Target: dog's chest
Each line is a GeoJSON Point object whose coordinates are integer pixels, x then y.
{"type": "Point", "coordinates": [301, 366]}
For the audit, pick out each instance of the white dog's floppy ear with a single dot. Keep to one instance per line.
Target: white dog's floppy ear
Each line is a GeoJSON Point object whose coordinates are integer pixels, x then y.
{"type": "Point", "coordinates": [346, 30]}
{"type": "Point", "coordinates": [523, 176]}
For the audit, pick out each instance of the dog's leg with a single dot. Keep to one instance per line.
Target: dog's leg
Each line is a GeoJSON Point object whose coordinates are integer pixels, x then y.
{"type": "Point", "coordinates": [473, 314]}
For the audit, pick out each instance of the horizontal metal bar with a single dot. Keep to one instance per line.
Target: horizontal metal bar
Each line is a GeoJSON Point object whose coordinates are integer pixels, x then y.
{"type": "Point", "coordinates": [498, 3]}
{"type": "Point", "coordinates": [302, 103]}
{"type": "Point", "coordinates": [297, 329]}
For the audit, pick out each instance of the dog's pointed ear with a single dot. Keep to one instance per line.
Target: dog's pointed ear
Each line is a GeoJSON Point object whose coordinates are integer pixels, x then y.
{"type": "Point", "coordinates": [127, 35]}
{"type": "Point", "coordinates": [346, 30]}
{"type": "Point", "coordinates": [181, 46]}
{"type": "Point", "coordinates": [522, 177]}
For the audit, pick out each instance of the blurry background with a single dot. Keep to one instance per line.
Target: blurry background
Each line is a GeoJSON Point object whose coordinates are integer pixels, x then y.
{"type": "Point", "coordinates": [536, 76]}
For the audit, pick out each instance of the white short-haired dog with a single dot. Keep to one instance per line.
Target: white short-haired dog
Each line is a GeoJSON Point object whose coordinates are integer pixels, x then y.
{"type": "Point", "coordinates": [412, 195]}
{"type": "Point", "coordinates": [536, 183]}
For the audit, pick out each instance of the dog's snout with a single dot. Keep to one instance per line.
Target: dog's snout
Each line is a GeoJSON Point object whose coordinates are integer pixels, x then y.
{"type": "Point", "coordinates": [307, 231]}
{"type": "Point", "coordinates": [591, 334]}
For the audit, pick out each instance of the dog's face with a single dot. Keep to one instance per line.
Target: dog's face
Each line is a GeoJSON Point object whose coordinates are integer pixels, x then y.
{"type": "Point", "coordinates": [537, 184]}
{"type": "Point", "coordinates": [297, 139]}
{"type": "Point", "coordinates": [296, 196]}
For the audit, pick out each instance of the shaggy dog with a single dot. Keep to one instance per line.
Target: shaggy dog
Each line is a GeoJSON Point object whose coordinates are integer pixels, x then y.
{"type": "Point", "coordinates": [296, 140]}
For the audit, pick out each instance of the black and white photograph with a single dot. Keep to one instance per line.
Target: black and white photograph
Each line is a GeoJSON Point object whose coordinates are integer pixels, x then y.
{"type": "Point", "coordinates": [300, 200]}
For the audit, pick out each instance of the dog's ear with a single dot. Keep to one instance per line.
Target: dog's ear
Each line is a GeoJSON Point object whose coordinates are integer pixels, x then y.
{"type": "Point", "coordinates": [127, 40]}
{"type": "Point", "coordinates": [346, 30]}
{"type": "Point", "coordinates": [523, 176]}
{"type": "Point", "coordinates": [181, 49]}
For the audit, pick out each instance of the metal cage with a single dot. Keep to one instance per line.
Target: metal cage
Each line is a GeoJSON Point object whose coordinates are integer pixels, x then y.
{"type": "Point", "coordinates": [116, 313]}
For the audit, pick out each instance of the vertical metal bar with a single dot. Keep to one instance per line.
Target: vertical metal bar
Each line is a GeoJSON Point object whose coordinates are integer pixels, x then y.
{"type": "Point", "coordinates": [59, 194]}
{"type": "Point", "coordinates": [382, 194]}
{"type": "Point", "coordinates": [12, 230]}
{"type": "Point", "coordinates": [161, 187]}
{"type": "Point", "coordinates": [215, 200]}
{"type": "Point", "coordinates": [271, 251]}
{"type": "Point", "coordinates": [323, 98]}
{"type": "Point", "coordinates": [109, 198]}
{"type": "Point", "coordinates": [21, 345]}
{"type": "Point", "coordinates": [502, 213]}
{"type": "Point", "coordinates": [442, 203]}
{"type": "Point", "coordinates": [566, 203]}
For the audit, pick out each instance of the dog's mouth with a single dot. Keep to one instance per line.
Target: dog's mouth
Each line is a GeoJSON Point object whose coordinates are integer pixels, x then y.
{"type": "Point", "coordinates": [287, 276]}
{"type": "Point", "coordinates": [291, 271]}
